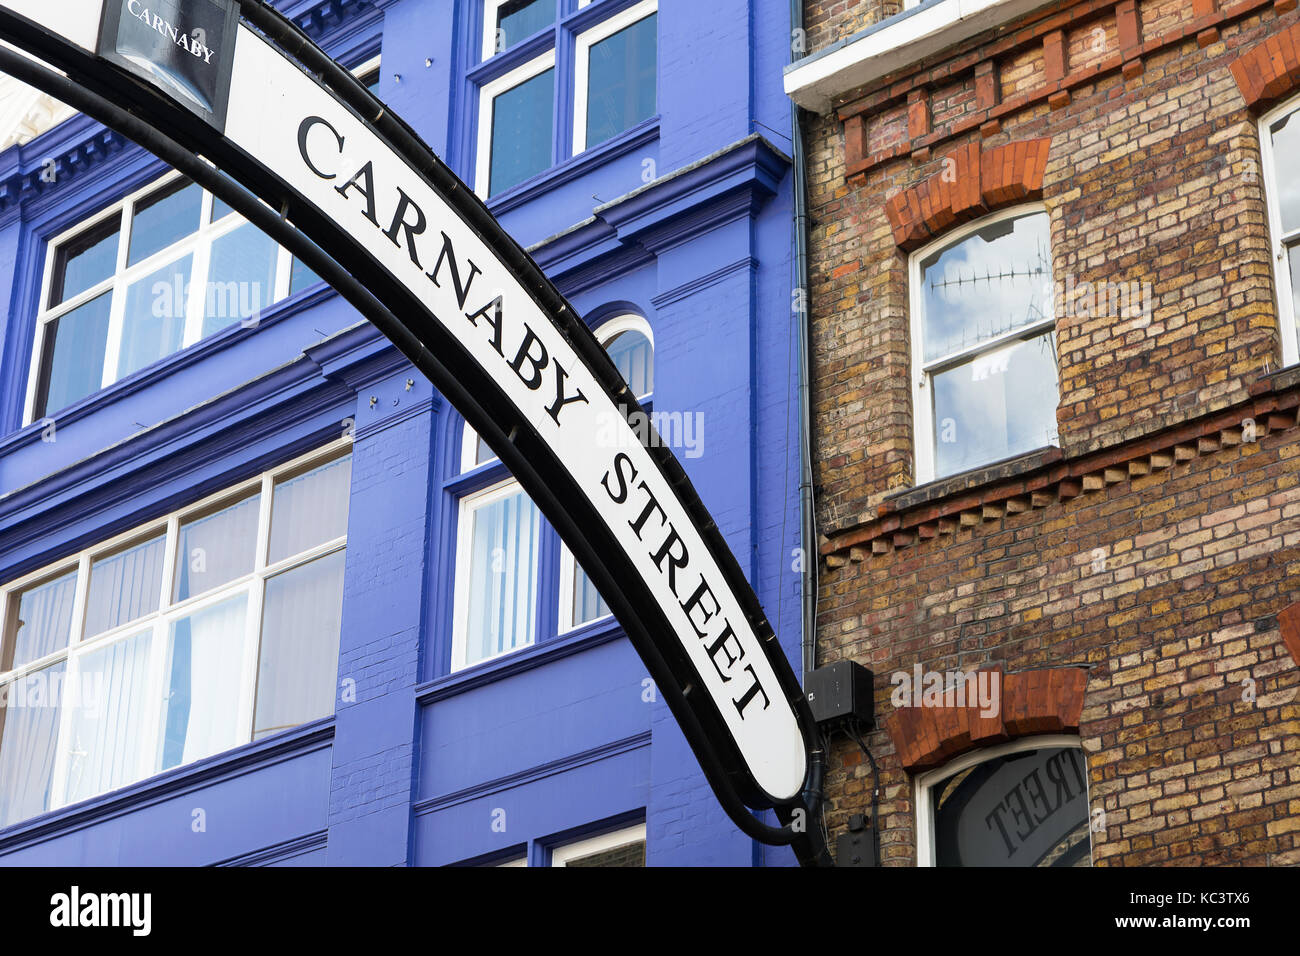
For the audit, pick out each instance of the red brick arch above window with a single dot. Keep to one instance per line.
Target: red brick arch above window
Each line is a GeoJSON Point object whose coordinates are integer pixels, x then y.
{"type": "Point", "coordinates": [1269, 71]}
{"type": "Point", "coordinates": [1043, 701]}
{"type": "Point", "coordinates": [973, 182]}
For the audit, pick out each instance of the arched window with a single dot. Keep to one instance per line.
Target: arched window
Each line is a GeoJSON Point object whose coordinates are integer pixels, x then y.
{"type": "Point", "coordinates": [1279, 135]}
{"type": "Point", "coordinates": [630, 343]}
{"type": "Point", "coordinates": [1023, 803]}
{"type": "Point", "coordinates": [498, 540]}
{"type": "Point", "coordinates": [500, 579]}
{"type": "Point", "coordinates": [983, 344]}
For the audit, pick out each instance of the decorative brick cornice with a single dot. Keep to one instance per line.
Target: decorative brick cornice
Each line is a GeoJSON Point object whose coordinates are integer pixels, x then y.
{"type": "Point", "coordinates": [974, 181]}
{"type": "Point", "coordinates": [914, 518]}
{"type": "Point", "coordinates": [871, 114]}
{"type": "Point", "coordinates": [1043, 701]}
{"type": "Point", "coordinates": [1269, 71]}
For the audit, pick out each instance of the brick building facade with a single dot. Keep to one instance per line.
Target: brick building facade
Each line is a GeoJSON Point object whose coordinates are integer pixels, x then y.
{"type": "Point", "coordinates": [1127, 565]}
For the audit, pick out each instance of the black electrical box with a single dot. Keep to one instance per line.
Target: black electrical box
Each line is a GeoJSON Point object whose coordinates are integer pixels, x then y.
{"type": "Point", "coordinates": [857, 846]}
{"type": "Point", "coordinates": [841, 693]}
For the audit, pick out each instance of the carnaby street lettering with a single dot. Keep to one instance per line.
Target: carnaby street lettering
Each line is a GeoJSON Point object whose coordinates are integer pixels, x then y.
{"type": "Point", "coordinates": [402, 221]}
{"type": "Point", "coordinates": [190, 43]}
{"type": "Point", "coordinates": [697, 599]}
{"type": "Point", "coordinates": [526, 356]}
{"type": "Point", "coordinates": [503, 340]}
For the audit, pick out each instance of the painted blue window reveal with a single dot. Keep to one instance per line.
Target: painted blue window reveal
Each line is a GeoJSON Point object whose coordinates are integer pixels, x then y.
{"type": "Point", "coordinates": [621, 80]}
{"type": "Point", "coordinates": [519, 19]}
{"type": "Point", "coordinates": [523, 123]}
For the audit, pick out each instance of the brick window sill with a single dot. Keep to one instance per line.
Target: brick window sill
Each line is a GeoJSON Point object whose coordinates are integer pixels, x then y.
{"type": "Point", "coordinates": [1048, 477]}
{"type": "Point", "coordinates": [902, 499]}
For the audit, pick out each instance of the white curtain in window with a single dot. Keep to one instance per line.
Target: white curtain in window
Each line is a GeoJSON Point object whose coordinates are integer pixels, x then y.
{"type": "Point", "coordinates": [29, 728]}
{"type": "Point", "coordinates": [106, 715]}
{"type": "Point", "coordinates": [216, 549]}
{"type": "Point", "coordinates": [633, 356]}
{"type": "Point", "coordinates": [502, 598]}
{"type": "Point", "coordinates": [310, 509]}
{"type": "Point", "coordinates": [587, 602]}
{"type": "Point", "coordinates": [298, 664]}
{"type": "Point", "coordinates": [201, 682]}
{"type": "Point", "coordinates": [124, 586]}
{"type": "Point", "coordinates": [44, 620]}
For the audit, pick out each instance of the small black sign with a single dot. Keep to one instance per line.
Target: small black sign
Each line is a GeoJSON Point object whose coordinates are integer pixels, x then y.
{"type": "Point", "coordinates": [182, 47]}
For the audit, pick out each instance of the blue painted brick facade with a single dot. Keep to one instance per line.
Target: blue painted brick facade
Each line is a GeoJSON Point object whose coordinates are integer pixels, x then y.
{"type": "Point", "coordinates": [685, 220]}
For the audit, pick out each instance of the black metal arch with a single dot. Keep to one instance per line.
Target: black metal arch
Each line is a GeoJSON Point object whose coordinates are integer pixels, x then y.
{"type": "Point", "coordinates": [179, 137]}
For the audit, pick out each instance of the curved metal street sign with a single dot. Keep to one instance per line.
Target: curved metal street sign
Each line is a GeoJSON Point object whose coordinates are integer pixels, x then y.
{"type": "Point", "coordinates": [360, 196]}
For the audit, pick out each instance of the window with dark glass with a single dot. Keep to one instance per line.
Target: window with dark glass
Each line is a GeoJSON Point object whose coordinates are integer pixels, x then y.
{"type": "Point", "coordinates": [167, 267]}
{"type": "Point", "coordinates": [606, 65]}
{"type": "Point", "coordinates": [1027, 808]}
{"type": "Point", "coordinates": [620, 75]}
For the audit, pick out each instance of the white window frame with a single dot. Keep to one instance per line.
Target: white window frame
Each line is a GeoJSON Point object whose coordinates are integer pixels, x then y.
{"type": "Point", "coordinates": [491, 8]}
{"type": "Point", "coordinates": [561, 855]}
{"type": "Point", "coordinates": [469, 450]}
{"type": "Point", "coordinates": [628, 322]}
{"type": "Point", "coordinates": [922, 371]}
{"type": "Point", "coordinates": [198, 243]}
{"type": "Point", "coordinates": [923, 785]}
{"type": "Point", "coordinates": [370, 65]}
{"type": "Point", "coordinates": [158, 622]}
{"type": "Point", "coordinates": [582, 61]}
{"type": "Point", "coordinates": [460, 599]}
{"type": "Point", "coordinates": [487, 103]}
{"type": "Point", "coordinates": [1278, 239]}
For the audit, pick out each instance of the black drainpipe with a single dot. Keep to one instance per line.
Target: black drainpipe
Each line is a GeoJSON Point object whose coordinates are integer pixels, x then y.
{"type": "Point", "coordinates": [803, 315]}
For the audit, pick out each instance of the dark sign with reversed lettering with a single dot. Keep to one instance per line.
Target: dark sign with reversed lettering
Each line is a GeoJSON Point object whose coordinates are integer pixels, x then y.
{"type": "Point", "coordinates": [1025, 809]}
{"type": "Point", "coordinates": [182, 47]}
